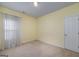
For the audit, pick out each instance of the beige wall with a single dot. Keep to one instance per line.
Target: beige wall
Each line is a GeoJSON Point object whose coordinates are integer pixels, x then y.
{"type": "Point", "coordinates": [1, 32]}
{"type": "Point", "coordinates": [51, 26]}
{"type": "Point", "coordinates": [27, 25]}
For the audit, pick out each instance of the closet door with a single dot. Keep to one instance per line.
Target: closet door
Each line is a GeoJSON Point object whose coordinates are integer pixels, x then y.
{"type": "Point", "coordinates": [71, 33]}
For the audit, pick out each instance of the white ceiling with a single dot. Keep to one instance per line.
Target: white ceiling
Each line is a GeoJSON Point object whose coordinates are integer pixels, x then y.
{"type": "Point", "coordinates": [42, 9]}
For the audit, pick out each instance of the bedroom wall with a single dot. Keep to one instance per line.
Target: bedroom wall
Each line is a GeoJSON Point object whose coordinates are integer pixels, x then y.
{"type": "Point", "coordinates": [27, 25]}
{"type": "Point", "coordinates": [51, 26]}
{"type": "Point", "coordinates": [48, 28]}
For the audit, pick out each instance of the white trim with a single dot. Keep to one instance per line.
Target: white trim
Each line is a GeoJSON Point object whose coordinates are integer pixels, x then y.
{"type": "Point", "coordinates": [52, 44]}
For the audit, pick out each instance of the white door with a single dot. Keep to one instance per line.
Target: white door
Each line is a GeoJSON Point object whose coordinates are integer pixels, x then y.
{"type": "Point", "coordinates": [71, 33]}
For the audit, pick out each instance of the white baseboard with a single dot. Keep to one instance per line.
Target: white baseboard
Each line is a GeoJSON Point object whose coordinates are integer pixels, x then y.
{"type": "Point", "coordinates": [52, 44]}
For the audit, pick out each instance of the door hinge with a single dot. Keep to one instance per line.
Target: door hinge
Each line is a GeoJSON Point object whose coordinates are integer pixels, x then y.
{"type": "Point", "coordinates": [78, 19]}
{"type": "Point", "coordinates": [78, 46]}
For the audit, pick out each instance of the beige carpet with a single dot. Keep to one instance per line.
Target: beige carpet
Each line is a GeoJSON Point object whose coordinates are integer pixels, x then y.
{"type": "Point", "coordinates": [38, 49]}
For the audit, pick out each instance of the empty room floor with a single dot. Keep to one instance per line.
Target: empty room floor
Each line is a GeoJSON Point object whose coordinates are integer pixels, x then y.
{"type": "Point", "coordinates": [38, 49]}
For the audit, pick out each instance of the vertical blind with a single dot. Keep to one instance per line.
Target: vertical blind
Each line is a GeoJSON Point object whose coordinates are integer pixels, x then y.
{"type": "Point", "coordinates": [11, 28]}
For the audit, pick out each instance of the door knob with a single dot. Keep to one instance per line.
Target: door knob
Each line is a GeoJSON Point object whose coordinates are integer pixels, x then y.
{"type": "Point", "coordinates": [65, 34]}
{"type": "Point", "coordinates": [78, 33]}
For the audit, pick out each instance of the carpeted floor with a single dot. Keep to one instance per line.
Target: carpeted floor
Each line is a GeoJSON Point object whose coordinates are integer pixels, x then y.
{"type": "Point", "coordinates": [38, 49]}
